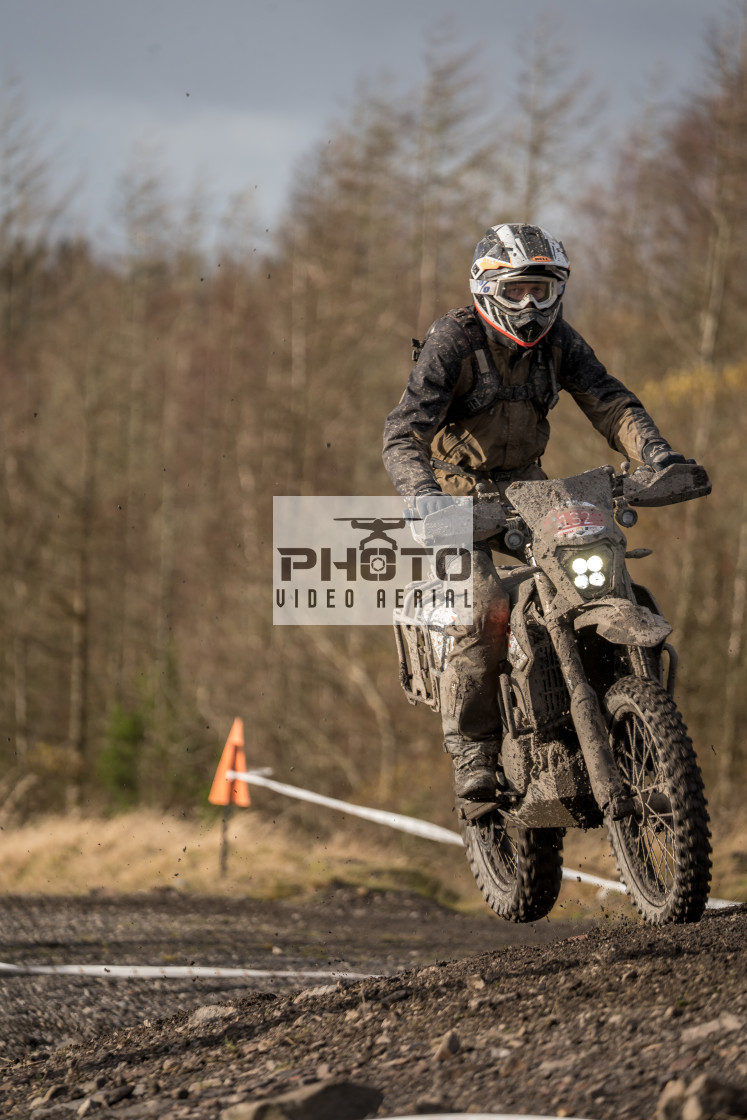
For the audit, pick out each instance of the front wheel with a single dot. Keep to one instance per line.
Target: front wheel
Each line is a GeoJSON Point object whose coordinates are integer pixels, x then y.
{"type": "Point", "coordinates": [518, 870]}
{"type": "Point", "coordinates": [663, 851]}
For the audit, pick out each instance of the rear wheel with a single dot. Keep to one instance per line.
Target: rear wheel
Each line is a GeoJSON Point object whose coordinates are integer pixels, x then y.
{"type": "Point", "coordinates": [663, 851]}
{"type": "Point", "coordinates": [518, 870]}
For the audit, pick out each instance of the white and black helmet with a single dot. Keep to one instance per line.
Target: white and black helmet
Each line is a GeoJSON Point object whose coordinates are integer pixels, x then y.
{"type": "Point", "coordinates": [517, 281]}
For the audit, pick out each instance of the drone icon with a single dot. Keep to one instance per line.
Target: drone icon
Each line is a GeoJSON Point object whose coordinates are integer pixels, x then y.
{"type": "Point", "coordinates": [377, 528]}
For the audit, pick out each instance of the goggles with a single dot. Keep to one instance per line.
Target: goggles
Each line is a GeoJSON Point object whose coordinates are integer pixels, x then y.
{"type": "Point", "coordinates": [518, 292]}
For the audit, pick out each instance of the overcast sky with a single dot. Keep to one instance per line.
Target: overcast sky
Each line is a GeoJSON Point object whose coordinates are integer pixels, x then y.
{"type": "Point", "coordinates": [234, 91]}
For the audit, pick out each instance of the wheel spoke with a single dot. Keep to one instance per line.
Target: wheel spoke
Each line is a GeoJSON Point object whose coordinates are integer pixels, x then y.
{"type": "Point", "coordinates": [662, 851]}
{"type": "Point", "coordinates": [500, 848]}
{"type": "Point", "coordinates": [639, 753]}
{"type": "Point", "coordinates": [632, 753]}
{"type": "Point", "coordinates": [651, 840]}
{"type": "Point", "coordinates": [659, 863]}
{"type": "Point", "coordinates": [663, 822]}
{"type": "Point", "coordinates": [648, 749]}
{"type": "Point", "coordinates": [655, 854]}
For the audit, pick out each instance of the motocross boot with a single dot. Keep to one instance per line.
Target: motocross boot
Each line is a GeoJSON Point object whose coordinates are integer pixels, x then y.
{"type": "Point", "coordinates": [475, 764]}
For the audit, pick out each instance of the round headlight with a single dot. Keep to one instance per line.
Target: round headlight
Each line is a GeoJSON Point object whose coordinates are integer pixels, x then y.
{"type": "Point", "coordinates": [595, 563]}
{"type": "Point", "coordinates": [596, 579]}
{"type": "Point", "coordinates": [581, 582]}
{"type": "Point", "coordinates": [579, 566]}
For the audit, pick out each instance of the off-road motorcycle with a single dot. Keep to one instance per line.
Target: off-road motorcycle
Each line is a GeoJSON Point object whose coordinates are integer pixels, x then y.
{"type": "Point", "coordinates": [591, 734]}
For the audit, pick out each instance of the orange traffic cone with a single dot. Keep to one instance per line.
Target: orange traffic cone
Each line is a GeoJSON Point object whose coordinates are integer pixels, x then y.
{"type": "Point", "coordinates": [225, 791]}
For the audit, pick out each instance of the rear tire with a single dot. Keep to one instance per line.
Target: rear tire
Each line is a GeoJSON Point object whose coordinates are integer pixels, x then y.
{"type": "Point", "coordinates": [663, 852]}
{"type": "Point", "coordinates": [518, 870]}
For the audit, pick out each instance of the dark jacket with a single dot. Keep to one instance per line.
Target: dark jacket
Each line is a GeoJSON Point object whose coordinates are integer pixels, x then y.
{"type": "Point", "coordinates": [490, 416]}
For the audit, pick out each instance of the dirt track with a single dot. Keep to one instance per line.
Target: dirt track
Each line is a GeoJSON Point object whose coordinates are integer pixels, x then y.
{"type": "Point", "coordinates": [471, 1013]}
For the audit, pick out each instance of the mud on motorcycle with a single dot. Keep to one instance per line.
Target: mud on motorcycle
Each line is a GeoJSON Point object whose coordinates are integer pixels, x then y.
{"type": "Point", "coordinates": [591, 733]}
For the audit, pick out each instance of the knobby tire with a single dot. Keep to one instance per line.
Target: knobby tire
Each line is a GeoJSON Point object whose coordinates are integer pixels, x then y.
{"type": "Point", "coordinates": [663, 851]}
{"type": "Point", "coordinates": [518, 870]}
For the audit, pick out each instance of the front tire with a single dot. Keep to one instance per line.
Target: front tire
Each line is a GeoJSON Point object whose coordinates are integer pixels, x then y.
{"type": "Point", "coordinates": [518, 870]}
{"type": "Point", "coordinates": [663, 851]}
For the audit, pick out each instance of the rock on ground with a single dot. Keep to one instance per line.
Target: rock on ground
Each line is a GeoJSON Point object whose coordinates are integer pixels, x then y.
{"type": "Point", "coordinates": [617, 1020]}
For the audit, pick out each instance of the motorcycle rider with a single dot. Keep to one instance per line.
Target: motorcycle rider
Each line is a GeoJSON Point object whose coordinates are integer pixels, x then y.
{"type": "Point", "coordinates": [473, 419]}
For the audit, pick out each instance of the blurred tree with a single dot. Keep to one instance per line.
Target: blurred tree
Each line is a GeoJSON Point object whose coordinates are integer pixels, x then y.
{"type": "Point", "coordinates": [665, 283]}
{"type": "Point", "coordinates": [553, 126]}
{"type": "Point", "coordinates": [455, 162]}
{"type": "Point", "coordinates": [152, 405]}
{"type": "Point", "coordinates": [29, 212]}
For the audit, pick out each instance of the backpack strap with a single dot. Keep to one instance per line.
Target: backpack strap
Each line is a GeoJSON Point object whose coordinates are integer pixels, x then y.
{"type": "Point", "coordinates": [487, 385]}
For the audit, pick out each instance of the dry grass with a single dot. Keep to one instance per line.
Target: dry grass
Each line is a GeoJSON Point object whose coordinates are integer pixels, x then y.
{"type": "Point", "coordinates": [278, 858]}
{"type": "Point", "coordinates": [268, 858]}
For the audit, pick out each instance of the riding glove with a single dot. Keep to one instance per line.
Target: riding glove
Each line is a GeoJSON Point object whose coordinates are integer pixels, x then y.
{"type": "Point", "coordinates": [658, 454]}
{"type": "Point", "coordinates": [432, 501]}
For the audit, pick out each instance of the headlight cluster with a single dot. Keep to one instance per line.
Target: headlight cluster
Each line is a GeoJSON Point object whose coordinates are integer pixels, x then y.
{"type": "Point", "coordinates": [591, 570]}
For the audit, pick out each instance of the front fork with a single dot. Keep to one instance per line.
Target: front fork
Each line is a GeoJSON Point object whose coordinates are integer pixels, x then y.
{"type": "Point", "coordinates": [609, 792]}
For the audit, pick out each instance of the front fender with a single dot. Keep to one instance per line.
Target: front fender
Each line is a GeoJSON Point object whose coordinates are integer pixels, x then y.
{"type": "Point", "coordinates": [624, 623]}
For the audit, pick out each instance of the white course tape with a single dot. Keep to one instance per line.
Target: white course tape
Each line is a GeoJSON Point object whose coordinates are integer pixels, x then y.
{"type": "Point", "coordinates": [413, 826]}
{"type": "Point", "coordinates": [177, 972]}
{"type": "Point", "coordinates": [610, 885]}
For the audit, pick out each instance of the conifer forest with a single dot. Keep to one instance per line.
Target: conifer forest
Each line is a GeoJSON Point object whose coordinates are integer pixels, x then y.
{"type": "Point", "coordinates": [154, 399]}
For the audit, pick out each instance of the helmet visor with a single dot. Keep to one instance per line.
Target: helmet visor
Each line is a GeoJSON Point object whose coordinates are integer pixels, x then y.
{"type": "Point", "coordinates": [518, 292]}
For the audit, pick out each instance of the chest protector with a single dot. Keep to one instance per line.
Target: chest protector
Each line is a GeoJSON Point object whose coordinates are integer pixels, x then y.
{"type": "Point", "coordinates": [487, 388]}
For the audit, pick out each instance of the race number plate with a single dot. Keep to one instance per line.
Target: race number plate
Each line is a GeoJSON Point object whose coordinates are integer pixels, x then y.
{"type": "Point", "coordinates": [577, 520]}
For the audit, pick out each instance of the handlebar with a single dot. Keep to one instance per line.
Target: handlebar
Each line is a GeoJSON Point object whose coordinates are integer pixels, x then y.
{"type": "Point", "coordinates": [680, 482]}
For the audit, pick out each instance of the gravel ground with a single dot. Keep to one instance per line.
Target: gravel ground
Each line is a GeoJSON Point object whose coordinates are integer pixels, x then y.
{"type": "Point", "coordinates": [587, 1020]}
